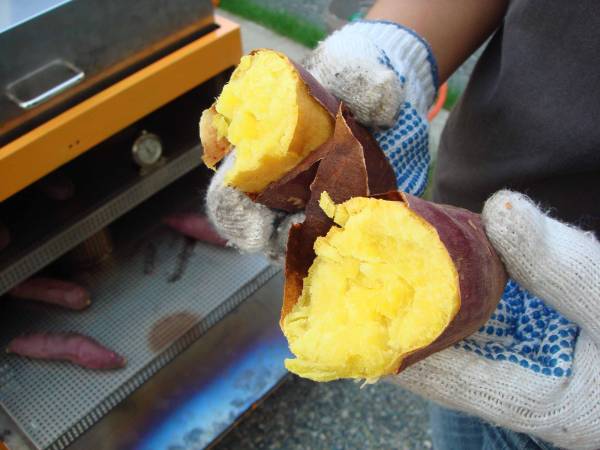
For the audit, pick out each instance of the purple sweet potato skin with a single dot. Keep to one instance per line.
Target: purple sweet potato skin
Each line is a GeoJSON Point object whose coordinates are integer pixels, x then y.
{"type": "Point", "coordinates": [380, 175]}
{"type": "Point", "coordinates": [293, 191]}
{"type": "Point", "coordinates": [195, 226]}
{"type": "Point", "coordinates": [49, 290]}
{"type": "Point", "coordinates": [481, 274]}
{"type": "Point", "coordinates": [72, 347]}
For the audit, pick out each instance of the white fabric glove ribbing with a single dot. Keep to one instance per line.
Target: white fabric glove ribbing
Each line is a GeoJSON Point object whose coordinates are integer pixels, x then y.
{"type": "Point", "coordinates": [248, 226]}
{"type": "Point", "coordinates": [555, 261]}
{"type": "Point", "coordinates": [551, 389]}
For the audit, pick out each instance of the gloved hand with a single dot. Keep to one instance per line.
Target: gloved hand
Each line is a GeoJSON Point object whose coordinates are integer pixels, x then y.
{"type": "Point", "coordinates": [387, 76]}
{"type": "Point", "coordinates": [531, 368]}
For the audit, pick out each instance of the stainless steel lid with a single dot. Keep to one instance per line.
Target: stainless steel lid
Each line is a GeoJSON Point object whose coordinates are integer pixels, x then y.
{"type": "Point", "coordinates": [55, 53]}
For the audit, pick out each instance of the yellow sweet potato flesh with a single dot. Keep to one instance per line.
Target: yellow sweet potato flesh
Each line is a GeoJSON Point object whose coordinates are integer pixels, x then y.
{"type": "Point", "coordinates": [267, 113]}
{"type": "Point", "coordinates": [382, 285]}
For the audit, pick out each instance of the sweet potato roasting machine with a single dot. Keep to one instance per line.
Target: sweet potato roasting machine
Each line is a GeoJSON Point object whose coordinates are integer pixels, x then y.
{"type": "Point", "coordinates": [99, 109]}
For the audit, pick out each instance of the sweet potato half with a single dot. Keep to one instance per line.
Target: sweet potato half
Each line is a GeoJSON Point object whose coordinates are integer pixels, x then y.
{"type": "Point", "coordinates": [273, 112]}
{"type": "Point", "coordinates": [282, 123]}
{"type": "Point", "coordinates": [376, 282]}
{"type": "Point", "coordinates": [395, 279]}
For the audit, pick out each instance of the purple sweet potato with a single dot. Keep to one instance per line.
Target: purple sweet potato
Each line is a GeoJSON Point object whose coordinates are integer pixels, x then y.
{"type": "Point", "coordinates": [482, 276]}
{"type": "Point", "coordinates": [49, 290]}
{"type": "Point", "coordinates": [195, 226]}
{"type": "Point", "coordinates": [269, 99]}
{"type": "Point", "coordinates": [72, 347]}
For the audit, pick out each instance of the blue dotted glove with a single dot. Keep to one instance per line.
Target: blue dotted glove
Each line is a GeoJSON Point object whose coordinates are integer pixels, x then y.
{"type": "Point", "coordinates": [406, 146]}
{"type": "Point", "coordinates": [525, 331]}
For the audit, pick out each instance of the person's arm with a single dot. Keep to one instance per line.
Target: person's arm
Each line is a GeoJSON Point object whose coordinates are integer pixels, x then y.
{"type": "Point", "coordinates": [453, 28]}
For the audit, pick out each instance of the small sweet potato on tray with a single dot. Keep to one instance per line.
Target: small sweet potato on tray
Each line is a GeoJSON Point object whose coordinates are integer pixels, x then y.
{"type": "Point", "coordinates": [71, 347]}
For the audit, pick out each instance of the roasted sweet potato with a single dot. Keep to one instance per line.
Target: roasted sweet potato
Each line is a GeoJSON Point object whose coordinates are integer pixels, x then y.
{"type": "Point", "coordinates": [394, 279]}
{"type": "Point", "coordinates": [195, 226]}
{"type": "Point", "coordinates": [49, 290]}
{"type": "Point", "coordinates": [375, 283]}
{"type": "Point", "coordinates": [273, 112]}
{"type": "Point", "coordinates": [72, 347]}
{"type": "Point", "coordinates": [281, 122]}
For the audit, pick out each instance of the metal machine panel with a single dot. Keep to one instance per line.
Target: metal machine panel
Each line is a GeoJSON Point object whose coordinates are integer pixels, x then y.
{"type": "Point", "coordinates": [207, 388]}
{"type": "Point", "coordinates": [81, 82]}
{"type": "Point", "coordinates": [66, 136]}
{"type": "Point", "coordinates": [102, 39]}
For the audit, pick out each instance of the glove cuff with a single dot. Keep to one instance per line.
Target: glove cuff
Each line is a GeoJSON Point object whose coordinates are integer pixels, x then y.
{"type": "Point", "coordinates": [246, 225]}
{"type": "Point", "coordinates": [408, 54]}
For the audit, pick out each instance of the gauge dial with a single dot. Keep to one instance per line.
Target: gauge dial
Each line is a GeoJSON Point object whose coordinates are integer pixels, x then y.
{"type": "Point", "coordinates": [147, 149]}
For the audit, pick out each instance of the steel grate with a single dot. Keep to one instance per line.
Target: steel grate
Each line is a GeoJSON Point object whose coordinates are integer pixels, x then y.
{"type": "Point", "coordinates": [145, 315]}
{"type": "Point", "coordinates": [42, 255]}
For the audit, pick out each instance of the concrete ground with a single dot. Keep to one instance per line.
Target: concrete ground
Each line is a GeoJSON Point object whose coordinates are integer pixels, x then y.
{"type": "Point", "coordinates": [302, 414]}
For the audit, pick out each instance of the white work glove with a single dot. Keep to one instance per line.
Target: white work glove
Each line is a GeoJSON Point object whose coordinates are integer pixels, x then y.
{"type": "Point", "coordinates": [535, 366]}
{"type": "Point", "coordinates": [387, 77]}
{"type": "Point", "coordinates": [248, 226]}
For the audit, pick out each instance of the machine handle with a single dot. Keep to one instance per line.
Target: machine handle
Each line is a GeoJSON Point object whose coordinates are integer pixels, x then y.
{"type": "Point", "coordinates": [44, 83]}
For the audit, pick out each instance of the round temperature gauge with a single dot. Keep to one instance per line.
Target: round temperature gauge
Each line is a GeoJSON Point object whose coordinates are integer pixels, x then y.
{"type": "Point", "coordinates": [147, 149]}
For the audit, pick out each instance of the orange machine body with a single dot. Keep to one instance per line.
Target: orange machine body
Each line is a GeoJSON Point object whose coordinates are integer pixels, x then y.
{"type": "Point", "coordinates": [66, 136]}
